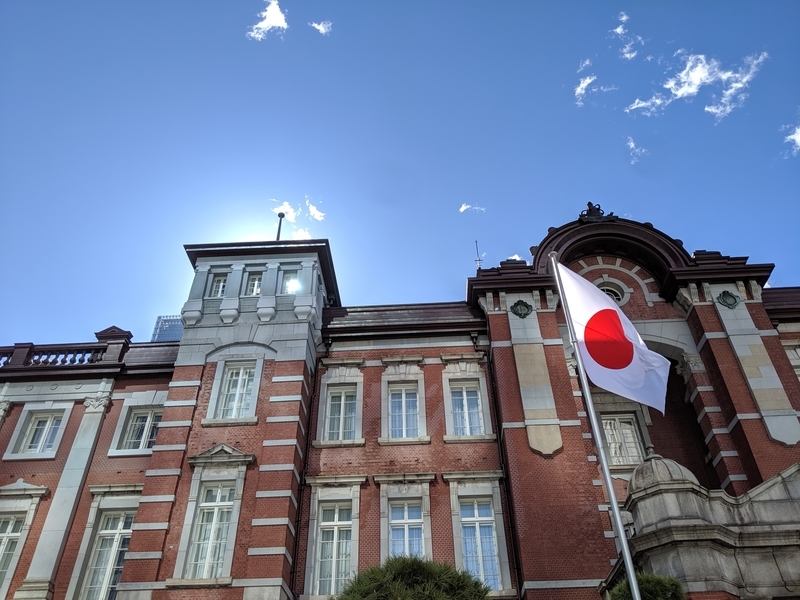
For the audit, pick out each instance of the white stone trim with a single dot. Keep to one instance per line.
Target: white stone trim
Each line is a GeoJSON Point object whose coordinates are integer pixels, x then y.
{"type": "Point", "coordinates": [29, 411]}
{"type": "Point", "coordinates": [216, 386]}
{"type": "Point", "coordinates": [561, 584]}
{"type": "Point", "coordinates": [138, 400]}
{"type": "Point", "coordinates": [465, 368]}
{"type": "Point", "coordinates": [19, 498]}
{"type": "Point", "coordinates": [412, 486]}
{"type": "Point", "coordinates": [104, 499]}
{"type": "Point", "coordinates": [341, 376]}
{"type": "Point", "coordinates": [330, 489]}
{"type": "Point", "coordinates": [479, 484]}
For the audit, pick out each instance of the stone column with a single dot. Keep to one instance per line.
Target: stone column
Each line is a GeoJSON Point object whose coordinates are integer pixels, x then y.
{"type": "Point", "coordinates": [39, 582]}
{"type": "Point", "coordinates": [229, 308]}
{"type": "Point", "coordinates": [265, 309]}
{"type": "Point", "coordinates": [304, 305]}
{"type": "Point", "coordinates": [192, 310]}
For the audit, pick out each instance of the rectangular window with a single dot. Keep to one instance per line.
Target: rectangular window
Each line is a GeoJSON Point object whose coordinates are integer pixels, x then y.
{"type": "Point", "coordinates": [290, 283]}
{"type": "Point", "coordinates": [140, 434]}
{"type": "Point", "coordinates": [10, 528]}
{"type": "Point", "coordinates": [210, 536]}
{"type": "Point", "coordinates": [341, 418]}
{"type": "Point", "coordinates": [403, 412]}
{"type": "Point", "coordinates": [405, 530]}
{"type": "Point", "coordinates": [108, 555]}
{"type": "Point", "coordinates": [253, 285]}
{"type": "Point", "coordinates": [41, 434]}
{"type": "Point", "coordinates": [622, 439]}
{"type": "Point", "coordinates": [479, 543]}
{"type": "Point", "coordinates": [218, 286]}
{"type": "Point", "coordinates": [467, 413]}
{"type": "Point", "coordinates": [236, 392]}
{"type": "Point", "coordinates": [334, 547]}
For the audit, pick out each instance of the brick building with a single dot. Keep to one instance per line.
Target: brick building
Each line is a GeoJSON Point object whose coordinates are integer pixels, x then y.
{"type": "Point", "coordinates": [287, 441]}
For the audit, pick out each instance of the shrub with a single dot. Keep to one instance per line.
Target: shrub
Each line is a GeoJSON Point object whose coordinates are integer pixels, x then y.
{"type": "Point", "coordinates": [651, 587]}
{"type": "Point", "coordinates": [412, 578]}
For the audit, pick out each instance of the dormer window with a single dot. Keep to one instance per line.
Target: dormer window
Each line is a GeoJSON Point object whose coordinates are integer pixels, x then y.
{"type": "Point", "coordinates": [290, 282]}
{"type": "Point", "coordinates": [218, 286]}
{"type": "Point", "coordinates": [253, 285]}
{"type": "Point", "coordinates": [612, 290]}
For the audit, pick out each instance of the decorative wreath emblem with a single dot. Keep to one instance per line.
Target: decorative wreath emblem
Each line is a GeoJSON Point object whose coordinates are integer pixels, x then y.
{"type": "Point", "coordinates": [521, 308]}
{"type": "Point", "coordinates": [729, 300]}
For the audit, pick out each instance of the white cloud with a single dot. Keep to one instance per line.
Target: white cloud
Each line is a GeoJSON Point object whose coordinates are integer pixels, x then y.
{"type": "Point", "coordinates": [465, 207]}
{"type": "Point", "coordinates": [272, 18]}
{"type": "Point", "coordinates": [288, 210]}
{"type": "Point", "coordinates": [649, 57]}
{"type": "Point", "coordinates": [605, 88]}
{"type": "Point", "coordinates": [313, 211]}
{"type": "Point", "coordinates": [515, 257]}
{"type": "Point", "coordinates": [620, 30]}
{"type": "Point", "coordinates": [324, 27]}
{"type": "Point", "coordinates": [583, 64]}
{"type": "Point", "coordinates": [636, 151]}
{"type": "Point", "coordinates": [734, 95]}
{"type": "Point", "coordinates": [580, 89]}
{"type": "Point", "coordinates": [794, 139]}
{"type": "Point", "coordinates": [623, 17]}
{"type": "Point", "coordinates": [698, 71]}
{"type": "Point", "coordinates": [301, 234]}
{"type": "Point", "coordinates": [627, 51]}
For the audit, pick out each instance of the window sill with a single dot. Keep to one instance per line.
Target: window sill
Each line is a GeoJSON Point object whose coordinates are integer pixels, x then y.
{"type": "Point", "coordinates": [425, 439]}
{"type": "Point", "coordinates": [29, 456]}
{"type": "Point", "coordinates": [229, 422]}
{"type": "Point", "coordinates": [512, 593]}
{"type": "Point", "coordinates": [199, 583]}
{"type": "Point", "coordinates": [338, 443]}
{"type": "Point", "coordinates": [121, 452]}
{"type": "Point", "coordinates": [458, 439]}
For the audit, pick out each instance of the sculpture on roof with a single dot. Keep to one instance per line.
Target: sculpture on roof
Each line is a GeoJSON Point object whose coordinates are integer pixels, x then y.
{"type": "Point", "coordinates": [595, 214]}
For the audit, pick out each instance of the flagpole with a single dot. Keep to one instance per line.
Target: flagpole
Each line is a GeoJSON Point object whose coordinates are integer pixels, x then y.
{"type": "Point", "coordinates": [598, 437]}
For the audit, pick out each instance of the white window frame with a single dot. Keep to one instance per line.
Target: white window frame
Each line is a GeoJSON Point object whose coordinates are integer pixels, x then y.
{"type": "Point", "coordinates": [475, 521]}
{"type": "Point", "coordinates": [18, 499]}
{"type": "Point", "coordinates": [340, 489]}
{"type": "Point", "coordinates": [407, 488]}
{"type": "Point", "coordinates": [342, 374]}
{"type": "Point", "coordinates": [622, 457]}
{"type": "Point", "coordinates": [217, 291]}
{"type": "Point", "coordinates": [403, 372]}
{"type": "Point", "coordinates": [610, 405]}
{"type": "Point", "coordinates": [288, 274]}
{"type": "Point", "coordinates": [151, 401]}
{"type": "Point", "coordinates": [256, 279]}
{"type": "Point", "coordinates": [483, 486]}
{"type": "Point", "coordinates": [118, 535]}
{"type": "Point", "coordinates": [219, 464]}
{"type": "Point", "coordinates": [223, 364]}
{"type": "Point", "coordinates": [338, 526]}
{"type": "Point", "coordinates": [222, 503]}
{"type": "Point", "coordinates": [465, 370]}
{"type": "Point", "coordinates": [31, 411]}
{"type": "Point", "coordinates": [106, 499]}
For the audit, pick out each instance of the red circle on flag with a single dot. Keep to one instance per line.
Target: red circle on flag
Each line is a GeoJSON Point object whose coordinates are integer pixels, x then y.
{"type": "Point", "coordinates": [606, 342]}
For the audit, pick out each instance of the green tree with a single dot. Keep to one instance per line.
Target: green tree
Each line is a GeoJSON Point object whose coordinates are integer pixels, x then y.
{"type": "Point", "coordinates": [412, 578]}
{"type": "Point", "coordinates": [651, 587]}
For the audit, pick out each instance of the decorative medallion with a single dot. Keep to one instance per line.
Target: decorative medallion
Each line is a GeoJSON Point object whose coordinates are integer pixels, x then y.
{"type": "Point", "coordinates": [729, 300]}
{"type": "Point", "coordinates": [521, 308]}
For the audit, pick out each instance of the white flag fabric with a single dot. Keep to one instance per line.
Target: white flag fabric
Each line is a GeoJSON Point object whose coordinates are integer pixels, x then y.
{"type": "Point", "coordinates": [614, 355]}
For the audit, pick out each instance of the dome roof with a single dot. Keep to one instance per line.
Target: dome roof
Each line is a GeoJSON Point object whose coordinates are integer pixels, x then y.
{"type": "Point", "coordinates": [655, 470]}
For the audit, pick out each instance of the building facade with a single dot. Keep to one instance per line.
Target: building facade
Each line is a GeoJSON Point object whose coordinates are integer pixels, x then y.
{"type": "Point", "coordinates": [287, 442]}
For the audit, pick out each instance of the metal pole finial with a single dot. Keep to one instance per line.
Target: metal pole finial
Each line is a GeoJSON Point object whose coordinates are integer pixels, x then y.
{"type": "Point", "coordinates": [280, 221]}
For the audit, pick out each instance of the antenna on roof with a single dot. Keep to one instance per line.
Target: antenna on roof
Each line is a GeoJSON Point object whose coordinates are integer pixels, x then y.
{"type": "Point", "coordinates": [478, 260]}
{"type": "Point", "coordinates": [280, 221]}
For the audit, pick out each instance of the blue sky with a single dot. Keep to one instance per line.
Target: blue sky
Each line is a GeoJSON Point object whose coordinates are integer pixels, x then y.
{"type": "Point", "coordinates": [130, 129]}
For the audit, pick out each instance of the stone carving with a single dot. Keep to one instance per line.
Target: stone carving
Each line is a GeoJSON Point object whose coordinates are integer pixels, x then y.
{"type": "Point", "coordinates": [741, 288]}
{"type": "Point", "coordinates": [693, 293]}
{"type": "Point", "coordinates": [552, 299]}
{"type": "Point", "coordinates": [690, 363]}
{"type": "Point", "coordinates": [595, 214]}
{"type": "Point", "coordinates": [99, 401]}
{"type": "Point", "coordinates": [707, 292]}
{"type": "Point", "coordinates": [572, 367]}
{"type": "Point", "coordinates": [521, 308]}
{"type": "Point", "coordinates": [755, 289]}
{"type": "Point", "coordinates": [4, 406]}
{"type": "Point", "coordinates": [728, 300]}
{"type": "Point", "coordinates": [683, 303]}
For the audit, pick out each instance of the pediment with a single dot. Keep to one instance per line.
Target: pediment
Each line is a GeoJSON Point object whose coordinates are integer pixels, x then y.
{"type": "Point", "coordinates": [222, 454]}
{"type": "Point", "coordinates": [113, 333]}
{"type": "Point", "coordinates": [22, 488]}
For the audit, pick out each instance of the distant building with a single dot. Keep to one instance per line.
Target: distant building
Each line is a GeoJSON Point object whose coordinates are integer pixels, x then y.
{"type": "Point", "coordinates": [169, 328]}
{"type": "Point", "coordinates": [286, 441]}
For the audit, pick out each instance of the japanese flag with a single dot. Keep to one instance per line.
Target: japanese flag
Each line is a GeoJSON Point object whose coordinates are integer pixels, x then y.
{"type": "Point", "coordinates": [614, 355]}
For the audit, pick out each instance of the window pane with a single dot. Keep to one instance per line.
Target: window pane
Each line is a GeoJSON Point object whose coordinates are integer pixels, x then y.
{"type": "Point", "coordinates": [414, 512]}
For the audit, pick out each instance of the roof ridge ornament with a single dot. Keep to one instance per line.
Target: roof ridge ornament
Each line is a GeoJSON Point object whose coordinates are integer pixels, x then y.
{"type": "Point", "coordinates": [595, 214]}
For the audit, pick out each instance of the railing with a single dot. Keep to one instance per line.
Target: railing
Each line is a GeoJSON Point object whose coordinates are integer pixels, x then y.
{"type": "Point", "coordinates": [66, 355]}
